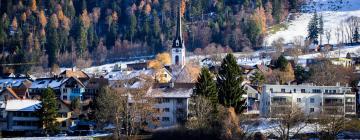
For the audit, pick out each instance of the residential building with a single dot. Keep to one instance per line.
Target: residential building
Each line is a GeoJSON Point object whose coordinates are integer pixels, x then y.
{"type": "Point", "coordinates": [93, 87]}
{"type": "Point", "coordinates": [65, 88]}
{"type": "Point", "coordinates": [252, 100]}
{"type": "Point", "coordinates": [19, 115]}
{"type": "Point", "coordinates": [64, 115]}
{"type": "Point", "coordinates": [173, 102]}
{"type": "Point", "coordinates": [312, 99]}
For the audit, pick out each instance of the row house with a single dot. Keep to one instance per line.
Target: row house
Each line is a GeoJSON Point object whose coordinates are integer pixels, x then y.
{"type": "Point", "coordinates": [335, 100]}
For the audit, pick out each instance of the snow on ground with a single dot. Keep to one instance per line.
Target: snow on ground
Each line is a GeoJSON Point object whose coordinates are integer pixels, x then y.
{"type": "Point", "coordinates": [267, 126]}
{"type": "Point", "coordinates": [334, 13]}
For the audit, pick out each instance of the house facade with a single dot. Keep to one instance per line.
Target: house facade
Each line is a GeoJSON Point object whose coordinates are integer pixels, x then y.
{"type": "Point", "coordinates": [172, 103]}
{"type": "Point", "coordinates": [336, 100]}
{"type": "Point", "coordinates": [19, 115]}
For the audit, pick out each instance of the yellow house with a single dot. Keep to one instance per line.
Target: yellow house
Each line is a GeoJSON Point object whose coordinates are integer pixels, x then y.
{"type": "Point", "coordinates": [64, 115]}
{"type": "Point", "coordinates": [162, 75]}
{"type": "Point", "coordinates": [345, 62]}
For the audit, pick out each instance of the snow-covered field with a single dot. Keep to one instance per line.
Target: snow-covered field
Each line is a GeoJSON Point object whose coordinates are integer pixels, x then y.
{"type": "Point", "coordinates": [334, 13]}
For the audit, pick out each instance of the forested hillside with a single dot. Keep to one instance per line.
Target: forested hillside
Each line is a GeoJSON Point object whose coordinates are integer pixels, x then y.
{"type": "Point", "coordinates": [53, 33]}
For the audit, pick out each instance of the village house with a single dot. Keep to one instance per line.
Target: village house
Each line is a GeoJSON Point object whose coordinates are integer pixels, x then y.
{"type": "Point", "coordinates": [65, 88]}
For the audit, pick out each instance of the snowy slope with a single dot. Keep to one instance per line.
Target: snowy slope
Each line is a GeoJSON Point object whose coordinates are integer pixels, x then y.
{"type": "Point", "coordinates": [334, 12]}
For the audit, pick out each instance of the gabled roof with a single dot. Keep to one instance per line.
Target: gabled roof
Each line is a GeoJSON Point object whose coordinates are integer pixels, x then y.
{"type": "Point", "coordinates": [74, 73]}
{"type": "Point", "coordinates": [172, 90]}
{"type": "Point", "coordinates": [52, 82]}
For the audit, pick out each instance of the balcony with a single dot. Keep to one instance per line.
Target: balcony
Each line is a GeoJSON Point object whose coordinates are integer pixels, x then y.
{"type": "Point", "coordinates": [277, 103]}
{"type": "Point", "coordinates": [349, 109]}
{"type": "Point", "coordinates": [333, 104]}
{"type": "Point", "coordinates": [280, 109]}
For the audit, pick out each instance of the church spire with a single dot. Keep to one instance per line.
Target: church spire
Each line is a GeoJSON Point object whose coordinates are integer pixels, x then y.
{"type": "Point", "coordinates": [178, 47]}
{"type": "Point", "coordinates": [178, 41]}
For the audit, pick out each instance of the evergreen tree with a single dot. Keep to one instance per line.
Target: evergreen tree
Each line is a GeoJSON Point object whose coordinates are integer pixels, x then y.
{"type": "Point", "coordinates": [47, 112]}
{"type": "Point", "coordinates": [206, 86]}
{"type": "Point", "coordinates": [313, 29]}
{"type": "Point", "coordinates": [321, 28]}
{"type": "Point", "coordinates": [133, 23]}
{"type": "Point", "coordinates": [301, 75]}
{"type": "Point", "coordinates": [258, 79]}
{"type": "Point", "coordinates": [53, 40]}
{"type": "Point", "coordinates": [281, 63]}
{"type": "Point", "coordinates": [356, 36]}
{"type": "Point", "coordinates": [229, 84]}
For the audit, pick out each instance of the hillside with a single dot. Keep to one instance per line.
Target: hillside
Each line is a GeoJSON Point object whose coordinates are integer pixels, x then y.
{"type": "Point", "coordinates": [334, 12]}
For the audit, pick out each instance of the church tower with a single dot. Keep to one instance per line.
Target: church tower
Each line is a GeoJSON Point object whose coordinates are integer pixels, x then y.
{"type": "Point", "coordinates": [178, 47]}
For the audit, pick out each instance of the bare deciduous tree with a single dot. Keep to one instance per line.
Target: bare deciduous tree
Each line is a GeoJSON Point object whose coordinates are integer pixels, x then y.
{"type": "Point", "coordinates": [291, 122]}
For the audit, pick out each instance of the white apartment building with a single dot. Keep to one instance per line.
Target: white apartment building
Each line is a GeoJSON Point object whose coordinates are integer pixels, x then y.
{"type": "Point", "coordinates": [173, 103]}
{"type": "Point", "coordinates": [338, 100]}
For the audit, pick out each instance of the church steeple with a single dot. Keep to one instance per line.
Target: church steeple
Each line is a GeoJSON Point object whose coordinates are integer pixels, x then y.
{"type": "Point", "coordinates": [178, 41]}
{"type": "Point", "coordinates": [178, 47]}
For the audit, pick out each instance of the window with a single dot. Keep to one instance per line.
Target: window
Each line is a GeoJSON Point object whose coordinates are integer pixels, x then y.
{"type": "Point", "coordinates": [294, 90]}
{"type": "Point", "coordinates": [271, 90]}
{"type": "Point", "coordinates": [63, 124]}
{"type": "Point", "coordinates": [326, 91]}
{"type": "Point", "coordinates": [302, 90]}
{"type": "Point", "coordinates": [165, 119]}
{"type": "Point", "coordinates": [298, 100]}
{"type": "Point", "coordinates": [166, 110]}
{"type": "Point", "coordinates": [312, 100]}
{"type": "Point", "coordinates": [166, 100]}
{"type": "Point", "coordinates": [282, 90]}
{"type": "Point", "coordinates": [179, 101]}
{"type": "Point", "coordinates": [312, 110]}
{"type": "Point", "coordinates": [316, 91]}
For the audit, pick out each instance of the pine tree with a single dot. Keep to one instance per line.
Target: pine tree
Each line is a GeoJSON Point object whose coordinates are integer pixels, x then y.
{"type": "Point", "coordinates": [206, 86]}
{"type": "Point", "coordinates": [313, 29]}
{"type": "Point", "coordinates": [53, 40]}
{"type": "Point", "coordinates": [47, 112]}
{"type": "Point", "coordinates": [258, 79]}
{"type": "Point", "coordinates": [321, 28]}
{"type": "Point", "coordinates": [281, 63]}
{"type": "Point", "coordinates": [356, 36]}
{"type": "Point", "coordinates": [133, 23]}
{"type": "Point", "coordinates": [229, 84]}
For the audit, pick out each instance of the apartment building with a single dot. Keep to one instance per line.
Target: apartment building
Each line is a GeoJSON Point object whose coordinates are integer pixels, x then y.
{"type": "Point", "coordinates": [312, 99]}
{"type": "Point", "coordinates": [18, 115]}
{"type": "Point", "coordinates": [173, 103]}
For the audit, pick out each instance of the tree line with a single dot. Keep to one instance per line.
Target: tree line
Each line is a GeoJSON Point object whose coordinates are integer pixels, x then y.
{"type": "Point", "coordinates": [85, 32]}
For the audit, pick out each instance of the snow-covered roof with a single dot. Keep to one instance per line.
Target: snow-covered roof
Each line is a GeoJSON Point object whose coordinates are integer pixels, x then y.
{"type": "Point", "coordinates": [11, 82]}
{"type": "Point", "coordinates": [124, 75]}
{"type": "Point", "coordinates": [51, 82]}
{"type": "Point", "coordinates": [48, 82]}
{"type": "Point", "coordinates": [168, 92]}
{"type": "Point", "coordinates": [22, 105]}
